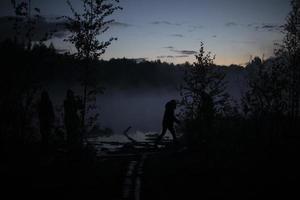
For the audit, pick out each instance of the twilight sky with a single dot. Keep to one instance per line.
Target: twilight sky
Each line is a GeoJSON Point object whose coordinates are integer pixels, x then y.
{"type": "Point", "coordinates": [171, 30]}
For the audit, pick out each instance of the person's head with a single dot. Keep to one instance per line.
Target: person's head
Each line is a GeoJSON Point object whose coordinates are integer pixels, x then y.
{"type": "Point", "coordinates": [171, 104]}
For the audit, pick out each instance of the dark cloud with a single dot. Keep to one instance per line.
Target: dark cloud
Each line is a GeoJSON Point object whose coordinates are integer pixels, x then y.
{"type": "Point", "coordinates": [182, 56]}
{"type": "Point", "coordinates": [258, 26]}
{"type": "Point", "coordinates": [214, 36]}
{"type": "Point", "coordinates": [185, 52]}
{"type": "Point", "coordinates": [121, 24]}
{"type": "Point", "coordinates": [269, 27]}
{"type": "Point", "coordinates": [172, 57]}
{"type": "Point", "coordinates": [42, 27]}
{"type": "Point", "coordinates": [166, 23]}
{"type": "Point", "coordinates": [230, 24]}
{"type": "Point", "coordinates": [182, 53]}
{"type": "Point", "coordinates": [168, 56]}
{"type": "Point", "coordinates": [251, 25]}
{"type": "Point", "coordinates": [265, 27]}
{"type": "Point", "coordinates": [169, 47]}
{"type": "Point", "coordinates": [177, 35]}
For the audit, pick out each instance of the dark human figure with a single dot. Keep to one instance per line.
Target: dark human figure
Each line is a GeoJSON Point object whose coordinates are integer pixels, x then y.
{"type": "Point", "coordinates": [46, 118]}
{"type": "Point", "coordinates": [168, 121]}
{"type": "Point", "coordinates": [72, 120]}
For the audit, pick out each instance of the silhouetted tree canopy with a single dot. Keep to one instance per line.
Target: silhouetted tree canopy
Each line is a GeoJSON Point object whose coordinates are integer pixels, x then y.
{"type": "Point", "coordinates": [85, 26]}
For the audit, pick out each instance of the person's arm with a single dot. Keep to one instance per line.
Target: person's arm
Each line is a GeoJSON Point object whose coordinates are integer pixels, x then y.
{"type": "Point", "coordinates": [175, 119]}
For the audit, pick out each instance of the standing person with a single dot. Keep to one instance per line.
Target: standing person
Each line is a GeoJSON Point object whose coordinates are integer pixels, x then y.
{"type": "Point", "coordinates": [71, 119]}
{"type": "Point", "coordinates": [46, 118]}
{"type": "Point", "coordinates": [168, 121]}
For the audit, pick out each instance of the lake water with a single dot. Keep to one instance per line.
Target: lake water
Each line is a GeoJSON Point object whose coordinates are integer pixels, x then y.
{"type": "Point", "coordinates": [141, 109]}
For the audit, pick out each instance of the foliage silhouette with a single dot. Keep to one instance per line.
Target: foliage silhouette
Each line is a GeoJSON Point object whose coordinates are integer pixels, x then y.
{"type": "Point", "coordinates": [203, 96]}
{"type": "Point", "coordinates": [85, 26]}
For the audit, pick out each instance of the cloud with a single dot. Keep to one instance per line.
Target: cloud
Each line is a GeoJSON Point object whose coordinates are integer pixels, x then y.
{"type": "Point", "coordinates": [182, 56]}
{"type": "Point", "coordinates": [177, 35]}
{"type": "Point", "coordinates": [269, 27]}
{"type": "Point", "coordinates": [121, 24]}
{"type": "Point", "coordinates": [168, 56]}
{"type": "Point", "coordinates": [185, 52]}
{"type": "Point", "coordinates": [214, 36]}
{"type": "Point", "coordinates": [258, 26]}
{"type": "Point", "coordinates": [179, 53]}
{"type": "Point", "coordinates": [231, 24]}
{"type": "Point", "coordinates": [172, 57]}
{"type": "Point", "coordinates": [251, 25]}
{"type": "Point", "coordinates": [163, 22]}
{"type": "Point", "coordinates": [266, 27]}
{"type": "Point", "coordinates": [169, 47]}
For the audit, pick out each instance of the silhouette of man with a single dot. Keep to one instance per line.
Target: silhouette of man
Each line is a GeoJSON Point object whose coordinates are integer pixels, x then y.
{"type": "Point", "coordinates": [46, 117]}
{"type": "Point", "coordinates": [168, 121]}
{"type": "Point", "coordinates": [71, 119]}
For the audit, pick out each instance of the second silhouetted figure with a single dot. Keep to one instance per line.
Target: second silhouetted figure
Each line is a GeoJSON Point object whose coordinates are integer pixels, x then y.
{"type": "Point", "coordinates": [72, 120]}
{"type": "Point", "coordinates": [46, 118]}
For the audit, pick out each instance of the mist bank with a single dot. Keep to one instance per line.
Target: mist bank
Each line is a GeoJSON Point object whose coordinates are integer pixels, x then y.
{"type": "Point", "coordinates": [136, 94]}
{"type": "Point", "coordinates": [135, 91]}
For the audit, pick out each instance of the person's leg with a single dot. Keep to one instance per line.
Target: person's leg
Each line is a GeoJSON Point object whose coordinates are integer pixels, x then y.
{"type": "Point", "coordinates": [173, 132]}
{"type": "Point", "coordinates": [163, 132]}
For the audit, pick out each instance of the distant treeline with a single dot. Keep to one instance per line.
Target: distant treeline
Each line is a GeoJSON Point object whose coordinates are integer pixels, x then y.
{"type": "Point", "coordinates": [48, 65]}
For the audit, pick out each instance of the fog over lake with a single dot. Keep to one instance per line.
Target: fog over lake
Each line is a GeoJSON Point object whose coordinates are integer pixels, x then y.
{"type": "Point", "coordinates": [141, 108]}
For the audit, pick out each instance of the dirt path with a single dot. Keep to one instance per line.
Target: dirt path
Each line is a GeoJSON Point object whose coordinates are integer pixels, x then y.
{"type": "Point", "coordinates": [132, 181]}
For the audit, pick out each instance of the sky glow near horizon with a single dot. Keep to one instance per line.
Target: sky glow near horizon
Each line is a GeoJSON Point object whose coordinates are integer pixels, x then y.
{"type": "Point", "coordinates": [171, 30]}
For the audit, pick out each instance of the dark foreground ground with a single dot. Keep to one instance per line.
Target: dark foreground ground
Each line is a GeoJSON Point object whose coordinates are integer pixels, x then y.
{"type": "Point", "coordinates": [166, 173]}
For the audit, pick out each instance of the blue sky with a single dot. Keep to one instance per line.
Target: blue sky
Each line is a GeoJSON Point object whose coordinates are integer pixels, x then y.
{"type": "Point", "coordinates": [171, 30]}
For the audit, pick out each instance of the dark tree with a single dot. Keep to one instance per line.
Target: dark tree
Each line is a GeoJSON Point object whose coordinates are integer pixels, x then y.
{"type": "Point", "coordinates": [290, 50]}
{"type": "Point", "coordinates": [266, 95]}
{"type": "Point", "coordinates": [25, 24]}
{"type": "Point", "coordinates": [203, 94]}
{"type": "Point", "coordinates": [274, 93]}
{"type": "Point", "coordinates": [85, 27]}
